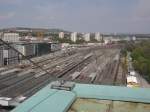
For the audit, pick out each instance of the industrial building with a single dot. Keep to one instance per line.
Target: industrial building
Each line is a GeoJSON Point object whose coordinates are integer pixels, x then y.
{"type": "Point", "coordinates": [1, 54]}
{"type": "Point", "coordinates": [27, 49]}
{"type": "Point", "coordinates": [8, 56]}
{"type": "Point", "coordinates": [45, 48]}
{"type": "Point", "coordinates": [75, 97]}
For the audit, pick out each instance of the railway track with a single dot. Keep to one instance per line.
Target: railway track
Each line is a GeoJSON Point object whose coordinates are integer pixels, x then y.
{"type": "Point", "coordinates": [12, 78]}
{"type": "Point", "coordinates": [15, 85]}
{"type": "Point", "coordinates": [29, 85]}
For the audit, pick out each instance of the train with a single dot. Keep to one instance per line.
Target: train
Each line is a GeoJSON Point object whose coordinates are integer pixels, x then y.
{"type": "Point", "coordinates": [132, 80]}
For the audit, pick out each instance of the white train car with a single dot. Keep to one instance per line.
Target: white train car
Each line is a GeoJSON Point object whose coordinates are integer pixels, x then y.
{"type": "Point", "coordinates": [132, 81]}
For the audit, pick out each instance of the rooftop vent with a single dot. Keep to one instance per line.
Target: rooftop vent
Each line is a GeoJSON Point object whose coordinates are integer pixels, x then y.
{"type": "Point", "coordinates": [63, 85]}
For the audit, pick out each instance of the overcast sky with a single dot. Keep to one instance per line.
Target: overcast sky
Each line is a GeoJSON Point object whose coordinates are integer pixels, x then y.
{"type": "Point", "coordinates": [122, 16]}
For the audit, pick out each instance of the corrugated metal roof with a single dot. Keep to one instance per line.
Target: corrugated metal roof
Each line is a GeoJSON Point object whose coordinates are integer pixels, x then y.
{"type": "Point", "coordinates": [51, 100]}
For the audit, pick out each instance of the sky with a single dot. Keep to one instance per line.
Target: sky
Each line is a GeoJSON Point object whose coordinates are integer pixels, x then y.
{"type": "Point", "coordinates": [109, 16]}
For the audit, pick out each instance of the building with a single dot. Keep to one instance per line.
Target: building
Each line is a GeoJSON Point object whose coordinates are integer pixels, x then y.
{"type": "Point", "coordinates": [1, 55]}
{"type": "Point", "coordinates": [67, 97]}
{"type": "Point", "coordinates": [98, 37]}
{"type": "Point", "coordinates": [86, 37]}
{"type": "Point", "coordinates": [11, 37]}
{"type": "Point", "coordinates": [61, 35]}
{"type": "Point", "coordinates": [8, 56]}
{"type": "Point", "coordinates": [74, 36]}
{"type": "Point", "coordinates": [108, 39]}
{"type": "Point", "coordinates": [134, 38]}
{"type": "Point", "coordinates": [32, 49]}
{"type": "Point", "coordinates": [1, 34]}
{"type": "Point", "coordinates": [27, 49]}
{"type": "Point", "coordinates": [42, 48]}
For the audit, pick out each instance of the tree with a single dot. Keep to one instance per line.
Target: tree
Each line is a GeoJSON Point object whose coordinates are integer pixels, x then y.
{"type": "Point", "coordinates": [141, 58]}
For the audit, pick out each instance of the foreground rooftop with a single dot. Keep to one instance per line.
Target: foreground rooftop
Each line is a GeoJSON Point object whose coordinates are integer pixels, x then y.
{"type": "Point", "coordinates": [88, 98]}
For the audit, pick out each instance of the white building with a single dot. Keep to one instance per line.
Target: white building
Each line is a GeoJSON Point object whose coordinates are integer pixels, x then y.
{"type": "Point", "coordinates": [108, 39]}
{"type": "Point", "coordinates": [98, 37]}
{"type": "Point", "coordinates": [61, 35]}
{"type": "Point", "coordinates": [74, 36]}
{"type": "Point", "coordinates": [134, 38]}
{"type": "Point", "coordinates": [86, 37]}
{"type": "Point", "coordinates": [11, 37]}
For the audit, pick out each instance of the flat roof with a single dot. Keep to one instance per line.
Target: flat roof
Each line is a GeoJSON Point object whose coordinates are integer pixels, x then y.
{"type": "Point", "coordinates": [53, 100]}
{"type": "Point", "coordinates": [94, 105]}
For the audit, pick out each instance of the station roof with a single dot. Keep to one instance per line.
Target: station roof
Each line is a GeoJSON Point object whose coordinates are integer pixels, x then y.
{"type": "Point", "coordinates": [52, 100]}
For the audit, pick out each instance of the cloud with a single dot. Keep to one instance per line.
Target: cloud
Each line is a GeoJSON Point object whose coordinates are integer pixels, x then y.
{"type": "Point", "coordinates": [142, 10]}
{"type": "Point", "coordinates": [11, 2]}
{"type": "Point", "coordinates": [78, 15]}
{"type": "Point", "coordinates": [5, 16]}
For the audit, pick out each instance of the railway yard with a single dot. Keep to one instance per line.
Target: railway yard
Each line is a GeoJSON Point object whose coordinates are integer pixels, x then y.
{"type": "Point", "coordinates": [96, 65]}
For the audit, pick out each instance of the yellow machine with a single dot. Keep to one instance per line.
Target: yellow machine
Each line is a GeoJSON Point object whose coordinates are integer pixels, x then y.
{"type": "Point", "coordinates": [40, 35]}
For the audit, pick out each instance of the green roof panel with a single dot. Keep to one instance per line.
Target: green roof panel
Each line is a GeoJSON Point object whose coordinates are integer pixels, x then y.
{"type": "Point", "coordinates": [113, 93]}
{"type": "Point", "coordinates": [52, 100]}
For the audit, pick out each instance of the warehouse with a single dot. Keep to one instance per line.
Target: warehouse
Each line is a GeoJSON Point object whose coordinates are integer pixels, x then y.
{"type": "Point", "coordinates": [8, 56]}
{"type": "Point", "coordinates": [42, 48]}
{"type": "Point", "coordinates": [27, 49]}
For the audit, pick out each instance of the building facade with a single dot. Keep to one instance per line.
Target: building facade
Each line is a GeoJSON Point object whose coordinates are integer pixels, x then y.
{"type": "Point", "coordinates": [11, 37]}
{"type": "Point", "coordinates": [86, 37]}
{"type": "Point", "coordinates": [98, 37]}
{"type": "Point", "coordinates": [27, 49]}
{"type": "Point", "coordinates": [1, 55]}
{"type": "Point", "coordinates": [61, 35]}
{"type": "Point", "coordinates": [74, 37]}
{"type": "Point", "coordinates": [8, 56]}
